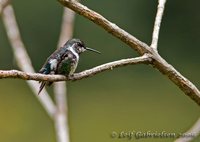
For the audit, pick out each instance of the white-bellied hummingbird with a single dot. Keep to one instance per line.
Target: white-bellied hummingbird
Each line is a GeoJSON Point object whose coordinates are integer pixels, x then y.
{"type": "Point", "coordinates": [64, 60]}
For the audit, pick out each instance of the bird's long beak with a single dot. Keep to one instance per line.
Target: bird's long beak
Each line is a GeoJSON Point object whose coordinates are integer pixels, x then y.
{"type": "Point", "coordinates": [93, 50]}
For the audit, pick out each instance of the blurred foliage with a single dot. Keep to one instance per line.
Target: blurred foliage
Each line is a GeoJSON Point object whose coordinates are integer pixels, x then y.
{"type": "Point", "coordinates": [133, 98]}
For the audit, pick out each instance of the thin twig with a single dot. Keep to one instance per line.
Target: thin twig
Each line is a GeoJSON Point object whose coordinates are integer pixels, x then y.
{"type": "Point", "coordinates": [61, 117]}
{"type": "Point", "coordinates": [77, 76]}
{"type": "Point", "coordinates": [22, 58]}
{"type": "Point", "coordinates": [164, 67]}
{"type": "Point", "coordinates": [158, 20]}
{"type": "Point", "coordinates": [191, 134]}
{"type": "Point", "coordinates": [145, 59]}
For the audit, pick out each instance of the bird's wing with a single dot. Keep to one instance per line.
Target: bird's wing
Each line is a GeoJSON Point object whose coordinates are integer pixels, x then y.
{"type": "Point", "coordinates": [45, 68]}
{"type": "Point", "coordinates": [64, 64]}
{"type": "Point", "coordinates": [50, 66]}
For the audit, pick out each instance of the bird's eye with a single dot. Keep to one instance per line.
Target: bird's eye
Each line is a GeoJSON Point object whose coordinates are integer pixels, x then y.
{"type": "Point", "coordinates": [79, 44]}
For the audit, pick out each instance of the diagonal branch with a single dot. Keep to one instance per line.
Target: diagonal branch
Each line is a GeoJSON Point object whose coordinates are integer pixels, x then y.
{"type": "Point", "coordinates": [195, 130]}
{"type": "Point", "coordinates": [158, 62]}
{"type": "Point", "coordinates": [77, 76]}
{"type": "Point", "coordinates": [158, 20]}
{"type": "Point", "coordinates": [110, 27]}
{"type": "Point", "coordinates": [22, 58]}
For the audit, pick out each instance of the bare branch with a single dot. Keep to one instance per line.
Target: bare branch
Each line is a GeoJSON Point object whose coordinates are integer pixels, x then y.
{"type": "Point", "coordinates": [145, 59]}
{"type": "Point", "coordinates": [156, 30]}
{"type": "Point", "coordinates": [177, 78]}
{"type": "Point", "coordinates": [151, 57]}
{"type": "Point", "coordinates": [67, 26]}
{"type": "Point", "coordinates": [77, 76]}
{"type": "Point", "coordinates": [22, 57]}
{"type": "Point", "coordinates": [110, 27]}
{"type": "Point", "coordinates": [61, 117]}
{"type": "Point", "coordinates": [192, 133]}
{"type": "Point", "coordinates": [165, 68]}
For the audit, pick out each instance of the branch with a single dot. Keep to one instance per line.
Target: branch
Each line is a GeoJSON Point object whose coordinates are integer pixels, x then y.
{"type": "Point", "coordinates": [158, 62]}
{"type": "Point", "coordinates": [177, 78]}
{"type": "Point", "coordinates": [192, 132]}
{"type": "Point", "coordinates": [67, 26]}
{"type": "Point", "coordinates": [159, 15]}
{"type": "Point", "coordinates": [110, 27]}
{"type": "Point", "coordinates": [77, 76]}
{"type": "Point", "coordinates": [22, 58]}
{"type": "Point", "coordinates": [61, 117]}
{"type": "Point", "coordinates": [145, 59]}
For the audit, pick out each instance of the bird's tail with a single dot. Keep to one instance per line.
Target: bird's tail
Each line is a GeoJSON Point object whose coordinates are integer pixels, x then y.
{"type": "Point", "coordinates": [41, 86]}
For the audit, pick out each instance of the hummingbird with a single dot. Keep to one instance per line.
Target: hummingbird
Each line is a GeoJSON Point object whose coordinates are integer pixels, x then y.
{"type": "Point", "coordinates": [64, 60]}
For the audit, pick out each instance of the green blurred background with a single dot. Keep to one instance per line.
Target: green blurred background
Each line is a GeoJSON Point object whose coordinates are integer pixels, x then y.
{"type": "Point", "coordinates": [132, 98]}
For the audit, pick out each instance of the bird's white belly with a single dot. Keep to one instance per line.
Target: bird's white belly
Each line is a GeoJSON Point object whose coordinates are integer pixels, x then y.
{"type": "Point", "coordinates": [73, 68]}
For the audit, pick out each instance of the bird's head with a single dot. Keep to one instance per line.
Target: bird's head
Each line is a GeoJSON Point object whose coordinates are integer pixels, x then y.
{"type": "Point", "coordinates": [78, 46]}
